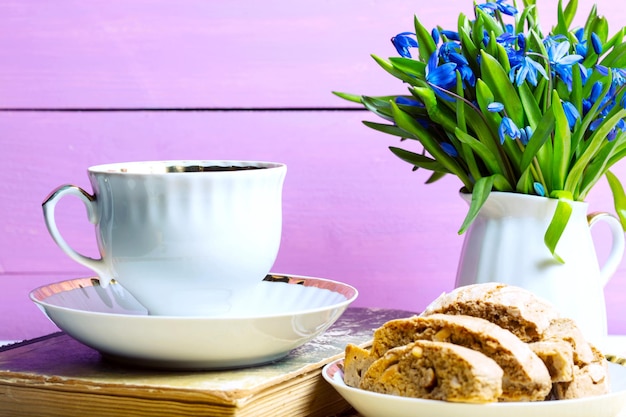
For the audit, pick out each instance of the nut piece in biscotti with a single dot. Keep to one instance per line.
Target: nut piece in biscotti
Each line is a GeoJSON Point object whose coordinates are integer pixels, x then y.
{"type": "Point", "coordinates": [558, 356]}
{"type": "Point", "coordinates": [437, 371]}
{"type": "Point", "coordinates": [356, 362]}
{"type": "Point", "coordinates": [565, 329]}
{"type": "Point", "coordinates": [513, 308]}
{"type": "Point", "coordinates": [563, 348]}
{"type": "Point", "coordinates": [526, 378]}
{"type": "Point", "coordinates": [589, 380]}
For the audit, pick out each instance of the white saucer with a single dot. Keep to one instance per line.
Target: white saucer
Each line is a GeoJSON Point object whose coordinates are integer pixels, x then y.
{"type": "Point", "coordinates": [372, 404]}
{"type": "Point", "coordinates": [283, 313]}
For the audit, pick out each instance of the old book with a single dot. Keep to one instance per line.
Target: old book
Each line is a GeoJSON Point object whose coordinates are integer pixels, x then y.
{"type": "Point", "coordinates": [58, 376]}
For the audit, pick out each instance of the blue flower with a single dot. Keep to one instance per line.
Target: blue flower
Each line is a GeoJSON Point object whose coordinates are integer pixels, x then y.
{"type": "Point", "coordinates": [596, 123]}
{"type": "Point", "coordinates": [527, 70]}
{"type": "Point", "coordinates": [508, 128]}
{"type": "Point", "coordinates": [560, 59]}
{"type": "Point", "coordinates": [495, 107]}
{"type": "Point", "coordinates": [498, 5]}
{"type": "Point", "coordinates": [405, 101]}
{"type": "Point", "coordinates": [467, 75]}
{"type": "Point", "coordinates": [597, 43]}
{"type": "Point", "coordinates": [443, 76]}
{"type": "Point", "coordinates": [526, 133]}
{"type": "Point", "coordinates": [521, 41]}
{"type": "Point", "coordinates": [449, 149]}
{"type": "Point", "coordinates": [451, 35]}
{"type": "Point", "coordinates": [506, 8]}
{"type": "Point", "coordinates": [508, 37]}
{"type": "Point", "coordinates": [571, 112]}
{"type": "Point", "coordinates": [558, 53]}
{"type": "Point", "coordinates": [539, 189]}
{"type": "Point", "coordinates": [435, 35]}
{"type": "Point", "coordinates": [584, 72]}
{"type": "Point", "coordinates": [402, 42]}
{"type": "Point", "coordinates": [488, 7]}
{"type": "Point", "coordinates": [602, 70]}
{"type": "Point", "coordinates": [448, 48]}
{"type": "Point", "coordinates": [581, 46]}
{"type": "Point", "coordinates": [619, 76]}
{"type": "Point", "coordinates": [450, 52]}
{"type": "Point", "coordinates": [594, 96]}
{"type": "Point", "coordinates": [620, 126]}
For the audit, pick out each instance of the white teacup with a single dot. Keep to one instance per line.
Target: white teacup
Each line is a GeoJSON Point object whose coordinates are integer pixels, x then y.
{"type": "Point", "coordinates": [183, 237]}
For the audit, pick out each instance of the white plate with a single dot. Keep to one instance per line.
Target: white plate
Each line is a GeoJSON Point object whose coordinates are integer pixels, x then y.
{"type": "Point", "coordinates": [283, 312]}
{"type": "Point", "coordinates": [371, 404]}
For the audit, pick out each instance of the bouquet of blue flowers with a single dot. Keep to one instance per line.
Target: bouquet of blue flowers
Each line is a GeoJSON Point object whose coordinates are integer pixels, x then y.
{"type": "Point", "coordinates": [503, 107]}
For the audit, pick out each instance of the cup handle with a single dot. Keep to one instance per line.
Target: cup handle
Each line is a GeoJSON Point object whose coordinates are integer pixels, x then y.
{"type": "Point", "coordinates": [49, 206]}
{"type": "Point", "coordinates": [617, 248]}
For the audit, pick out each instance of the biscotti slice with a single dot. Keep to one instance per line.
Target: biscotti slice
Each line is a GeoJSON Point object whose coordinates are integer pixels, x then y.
{"type": "Point", "coordinates": [565, 329]}
{"type": "Point", "coordinates": [513, 308]}
{"type": "Point", "coordinates": [437, 371]}
{"type": "Point", "coordinates": [558, 356]}
{"type": "Point", "coordinates": [526, 378]}
{"type": "Point", "coordinates": [589, 380]}
{"type": "Point", "coordinates": [355, 363]}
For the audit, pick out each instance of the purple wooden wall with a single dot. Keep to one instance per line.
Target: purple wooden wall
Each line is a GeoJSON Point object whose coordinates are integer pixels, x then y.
{"type": "Point", "coordinates": [352, 211]}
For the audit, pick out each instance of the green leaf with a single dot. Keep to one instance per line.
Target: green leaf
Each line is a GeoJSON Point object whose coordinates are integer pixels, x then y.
{"type": "Point", "coordinates": [598, 166]}
{"type": "Point", "coordinates": [437, 114]}
{"type": "Point", "coordinates": [561, 144]}
{"type": "Point", "coordinates": [597, 139]}
{"type": "Point", "coordinates": [533, 113]}
{"type": "Point", "coordinates": [432, 146]}
{"type": "Point", "coordinates": [435, 176]}
{"type": "Point", "coordinates": [409, 66]}
{"type": "Point", "coordinates": [460, 104]}
{"type": "Point", "coordinates": [387, 66]}
{"type": "Point", "coordinates": [472, 51]}
{"type": "Point", "coordinates": [490, 23]}
{"type": "Point", "coordinates": [537, 140]}
{"type": "Point", "coordinates": [482, 189]}
{"type": "Point", "coordinates": [498, 81]}
{"type": "Point", "coordinates": [619, 197]}
{"type": "Point", "coordinates": [576, 96]}
{"type": "Point", "coordinates": [593, 13]}
{"type": "Point", "coordinates": [388, 129]}
{"type": "Point", "coordinates": [503, 57]}
{"type": "Point", "coordinates": [561, 27]}
{"type": "Point", "coordinates": [489, 159]}
{"type": "Point", "coordinates": [523, 17]}
{"type": "Point", "coordinates": [616, 39]}
{"type": "Point", "coordinates": [565, 17]}
{"type": "Point", "coordinates": [418, 160]}
{"type": "Point", "coordinates": [616, 58]}
{"type": "Point", "coordinates": [558, 223]}
{"type": "Point", "coordinates": [425, 41]}
{"type": "Point", "coordinates": [570, 12]}
{"type": "Point", "coordinates": [377, 106]}
{"type": "Point", "coordinates": [600, 27]}
{"type": "Point", "coordinates": [350, 97]}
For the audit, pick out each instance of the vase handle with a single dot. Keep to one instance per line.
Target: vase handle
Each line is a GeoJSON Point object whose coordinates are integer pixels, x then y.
{"type": "Point", "coordinates": [617, 248]}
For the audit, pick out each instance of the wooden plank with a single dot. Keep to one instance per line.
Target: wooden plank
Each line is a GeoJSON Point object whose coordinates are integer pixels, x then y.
{"type": "Point", "coordinates": [196, 53]}
{"type": "Point", "coordinates": [352, 211]}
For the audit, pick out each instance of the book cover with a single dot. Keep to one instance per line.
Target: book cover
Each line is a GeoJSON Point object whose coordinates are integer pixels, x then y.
{"type": "Point", "coordinates": [57, 376]}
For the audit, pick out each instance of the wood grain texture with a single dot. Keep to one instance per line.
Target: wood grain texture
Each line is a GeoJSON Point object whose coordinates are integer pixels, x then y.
{"type": "Point", "coordinates": [352, 211]}
{"type": "Point", "coordinates": [192, 53]}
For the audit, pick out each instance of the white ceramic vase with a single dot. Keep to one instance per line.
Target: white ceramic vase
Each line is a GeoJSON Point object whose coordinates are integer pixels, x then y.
{"type": "Point", "coordinates": [505, 244]}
